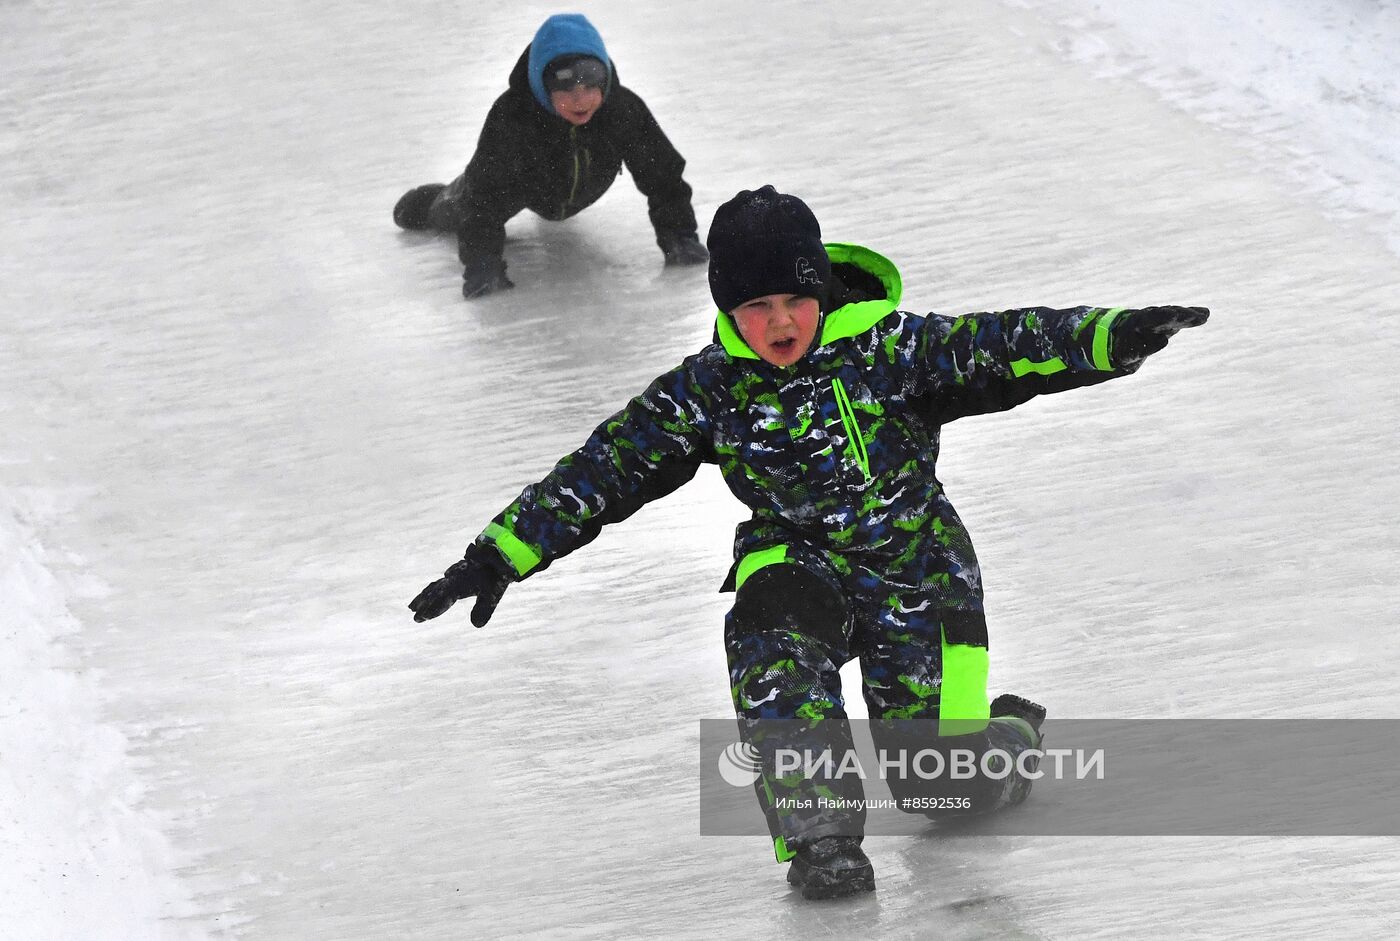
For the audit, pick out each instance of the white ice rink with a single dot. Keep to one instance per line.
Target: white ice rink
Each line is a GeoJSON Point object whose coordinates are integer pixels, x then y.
{"type": "Point", "coordinates": [243, 419]}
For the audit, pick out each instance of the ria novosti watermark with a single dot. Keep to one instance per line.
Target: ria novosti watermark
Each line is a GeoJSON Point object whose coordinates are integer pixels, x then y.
{"type": "Point", "coordinates": [1089, 777]}
{"type": "Point", "coordinates": [931, 764]}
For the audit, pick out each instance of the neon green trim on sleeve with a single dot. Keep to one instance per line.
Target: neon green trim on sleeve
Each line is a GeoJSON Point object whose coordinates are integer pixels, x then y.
{"type": "Point", "coordinates": [756, 560]}
{"type": "Point", "coordinates": [1048, 368]}
{"type": "Point", "coordinates": [521, 556]}
{"type": "Point", "coordinates": [1102, 336]}
{"type": "Point", "coordinates": [963, 707]}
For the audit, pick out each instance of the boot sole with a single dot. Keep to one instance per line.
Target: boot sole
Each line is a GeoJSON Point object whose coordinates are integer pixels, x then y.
{"type": "Point", "coordinates": [863, 882]}
{"type": "Point", "coordinates": [832, 887]}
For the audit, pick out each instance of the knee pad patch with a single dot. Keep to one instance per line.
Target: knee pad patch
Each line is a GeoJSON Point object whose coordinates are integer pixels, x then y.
{"type": "Point", "coordinates": [965, 627]}
{"type": "Point", "coordinates": [787, 597]}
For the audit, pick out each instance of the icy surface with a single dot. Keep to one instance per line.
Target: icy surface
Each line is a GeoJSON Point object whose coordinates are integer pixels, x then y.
{"type": "Point", "coordinates": [255, 418]}
{"type": "Point", "coordinates": [77, 856]}
{"type": "Point", "coordinates": [1313, 84]}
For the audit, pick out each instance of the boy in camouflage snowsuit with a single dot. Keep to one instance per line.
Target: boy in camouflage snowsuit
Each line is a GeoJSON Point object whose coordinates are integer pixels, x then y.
{"type": "Point", "coordinates": [824, 420]}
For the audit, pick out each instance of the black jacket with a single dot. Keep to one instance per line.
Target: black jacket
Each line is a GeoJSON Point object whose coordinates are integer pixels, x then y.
{"type": "Point", "coordinates": [530, 158]}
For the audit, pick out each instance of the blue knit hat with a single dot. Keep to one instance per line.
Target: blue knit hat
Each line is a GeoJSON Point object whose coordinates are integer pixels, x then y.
{"type": "Point", "coordinates": [561, 35]}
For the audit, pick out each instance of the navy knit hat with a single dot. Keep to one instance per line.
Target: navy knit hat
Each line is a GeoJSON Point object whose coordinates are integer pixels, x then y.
{"type": "Point", "coordinates": [765, 242]}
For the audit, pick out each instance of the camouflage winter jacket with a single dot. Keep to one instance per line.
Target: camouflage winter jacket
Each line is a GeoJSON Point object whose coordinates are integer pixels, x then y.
{"type": "Point", "coordinates": [836, 452]}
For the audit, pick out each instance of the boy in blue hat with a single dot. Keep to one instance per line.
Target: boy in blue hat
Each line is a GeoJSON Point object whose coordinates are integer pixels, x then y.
{"type": "Point", "coordinates": [553, 143]}
{"type": "Point", "coordinates": [822, 404]}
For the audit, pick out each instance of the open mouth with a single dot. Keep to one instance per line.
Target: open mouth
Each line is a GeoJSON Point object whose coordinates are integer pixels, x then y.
{"type": "Point", "coordinates": [784, 345]}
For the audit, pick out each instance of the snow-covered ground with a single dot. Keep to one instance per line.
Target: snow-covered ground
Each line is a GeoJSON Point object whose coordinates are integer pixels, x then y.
{"type": "Point", "coordinates": [245, 419]}
{"type": "Point", "coordinates": [1312, 86]}
{"type": "Point", "coordinates": [78, 855]}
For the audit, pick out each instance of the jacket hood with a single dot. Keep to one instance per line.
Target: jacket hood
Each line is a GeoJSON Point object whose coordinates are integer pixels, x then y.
{"type": "Point", "coordinates": [849, 320]}
{"type": "Point", "coordinates": [560, 35]}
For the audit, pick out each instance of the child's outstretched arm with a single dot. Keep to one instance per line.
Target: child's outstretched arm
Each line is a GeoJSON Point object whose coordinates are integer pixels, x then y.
{"type": "Point", "coordinates": [647, 450]}
{"type": "Point", "coordinates": [991, 362]}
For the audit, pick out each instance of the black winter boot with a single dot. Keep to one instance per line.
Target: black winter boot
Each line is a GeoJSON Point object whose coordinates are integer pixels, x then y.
{"type": "Point", "coordinates": [1032, 713]}
{"type": "Point", "coordinates": [831, 867]}
{"type": "Point", "coordinates": [1025, 716]}
{"type": "Point", "coordinates": [411, 211]}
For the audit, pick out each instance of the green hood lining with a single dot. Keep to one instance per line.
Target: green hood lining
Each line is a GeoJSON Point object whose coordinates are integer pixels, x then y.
{"type": "Point", "coordinates": [847, 321]}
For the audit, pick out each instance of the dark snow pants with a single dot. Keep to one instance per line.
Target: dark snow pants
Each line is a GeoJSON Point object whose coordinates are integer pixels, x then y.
{"type": "Point", "coordinates": [799, 614]}
{"type": "Point", "coordinates": [445, 214]}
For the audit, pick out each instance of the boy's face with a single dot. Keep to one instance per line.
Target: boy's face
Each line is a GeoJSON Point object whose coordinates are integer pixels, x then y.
{"type": "Point", "coordinates": [780, 328]}
{"type": "Point", "coordinates": [578, 104]}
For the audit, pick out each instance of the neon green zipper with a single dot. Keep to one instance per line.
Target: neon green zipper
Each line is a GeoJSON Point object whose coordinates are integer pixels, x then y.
{"type": "Point", "coordinates": [855, 442]}
{"type": "Point", "coordinates": [573, 190]}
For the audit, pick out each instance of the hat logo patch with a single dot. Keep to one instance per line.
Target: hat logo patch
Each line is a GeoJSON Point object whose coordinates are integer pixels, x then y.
{"type": "Point", "coordinates": [806, 274]}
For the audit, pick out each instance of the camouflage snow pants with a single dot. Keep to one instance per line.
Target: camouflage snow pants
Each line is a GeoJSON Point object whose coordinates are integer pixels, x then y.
{"type": "Point", "coordinates": [799, 614]}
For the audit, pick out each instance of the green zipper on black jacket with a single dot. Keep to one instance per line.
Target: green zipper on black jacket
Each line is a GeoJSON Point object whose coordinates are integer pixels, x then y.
{"type": "Point", "coordinates": [855, 441]}
{"type": "Point", "coordinates": [573, 190]}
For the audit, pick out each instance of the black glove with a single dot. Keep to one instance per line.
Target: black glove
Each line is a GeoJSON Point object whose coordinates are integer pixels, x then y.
{"type": "Point", "coordinates": [682, 248]}
{"type": "Point", "coordinates": [1138, 334]}
{"type": "Point", "coordinates": [482, 573]}
{"type": "Point", "coordinates": [484, 275]}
